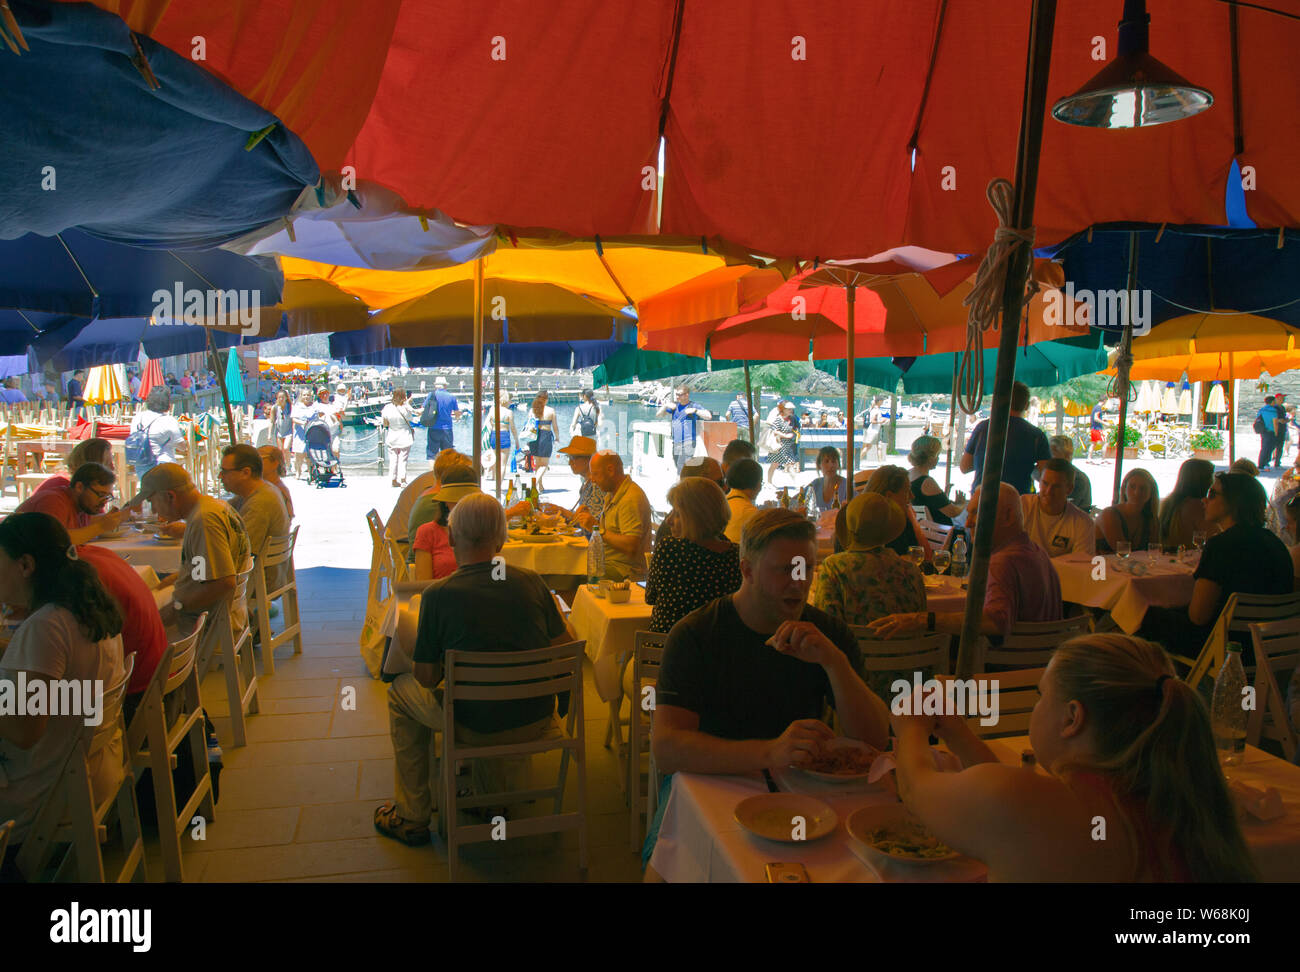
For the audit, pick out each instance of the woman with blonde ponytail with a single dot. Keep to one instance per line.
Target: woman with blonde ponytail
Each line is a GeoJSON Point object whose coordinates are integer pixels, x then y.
{"type": "Point", "coordinates": [1133, 790]}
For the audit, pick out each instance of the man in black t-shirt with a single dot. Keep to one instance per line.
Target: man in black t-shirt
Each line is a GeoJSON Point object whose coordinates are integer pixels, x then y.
{"type": "Point", "coordinates": [1026, 450]}
{"type": "Point", "coordinates": [483, 606]}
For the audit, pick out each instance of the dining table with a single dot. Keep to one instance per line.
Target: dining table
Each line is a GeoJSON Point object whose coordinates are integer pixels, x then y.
{"type": "Point", "coordinates": [1127, 587]}
{"type": "Point", "coordinates": [142, 550]}
{"type": "Point", "coordinates": [609, 630]}
{"type": "Point", "coordinates": [700, 839]}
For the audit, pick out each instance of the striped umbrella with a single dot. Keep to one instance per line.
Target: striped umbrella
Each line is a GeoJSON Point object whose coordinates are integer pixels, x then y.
{"type": "Point", "coordinates": [106, 385]}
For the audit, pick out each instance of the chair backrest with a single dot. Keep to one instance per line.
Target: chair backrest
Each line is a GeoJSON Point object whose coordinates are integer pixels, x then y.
{"type": "Point", "coordinates": [495, 676]}
{"type": "Point", "coordinates": [1017, 693]}
{"type": "Point", "coordinates": [1233, 624]}
{"type": "Point", "coordinates": [278, 550]}
{"type": "Point", "coordinates": [1034, 642]}
{"type": "Point", "coordinates": [1277, 655]}
{"type": "Point", "coordinates": [647, 657]}
{"type": "Point", "coordinates": [922, 513]}
{"type": "Point", "coordinates": [395, 562]}
{"type": "Point", "coordinates": [883, 655]}
{"type": "Point", "coordinates": [376, 525]}
{"type": "Point", "coordinates": [184, 655]}
{"type": "Point", "coordinates": [111, 712]}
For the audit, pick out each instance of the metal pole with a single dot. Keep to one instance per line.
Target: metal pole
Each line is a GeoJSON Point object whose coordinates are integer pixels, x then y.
{"type": "Point", "coordinates": [851, 295]}
{"type": "Point", "coordinates": [496, 396]}
{"type": "Point", "coordinates": [1232, 413]}
{"type": "Point", "coordinates": [225, 396]}
{"type": "Point", "coordinates": [478, 366]}
{"type": "Point", "coordinates": [1042, 23]}
{"type": "Point", "coordinates": [952, 424]}
{"type": "Point", "coordinates": [749, 396]}
{"type": "Point", "coordinates": [1123, 363]}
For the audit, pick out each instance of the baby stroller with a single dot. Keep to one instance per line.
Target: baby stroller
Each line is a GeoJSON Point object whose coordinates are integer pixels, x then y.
{"type": "Point", "coordinates": [325, 469]}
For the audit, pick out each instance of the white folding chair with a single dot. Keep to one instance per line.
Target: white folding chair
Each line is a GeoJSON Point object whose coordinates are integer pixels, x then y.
{"type": "Point", "coordinates": [1017, 692]}
{"type": "Point", "coordinates": [1277, 654]}
{"type": "Point", "coordinates": [235, 650]}
{"type": "Point", "coordinates": [1233, 624]}
{"type": "Point", "coordinates": [647, 657]}
{"type": "Point", "coordinates": [1032, 643]}
{"type": "Point", "coordinates": [493, 676]}
{"type": "Point", "coordinates": [169, 715]}
{"type": "Point", "coordinates": [938, 534]}
{"type": "Point", "coordinates": [72, 815]}
{"type": "Point", "coordinates": [276, 558]}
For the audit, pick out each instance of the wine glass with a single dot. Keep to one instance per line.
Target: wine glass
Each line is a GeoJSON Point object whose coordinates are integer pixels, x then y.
{"type": "Point", "coordinates": [916, 555]}
{"type": "Point", "coordinates": [1198, 539]}
{"type": "Point", "coordinates": [942, 558]}
{"type": "Point", "coordinates": [1123, 550]}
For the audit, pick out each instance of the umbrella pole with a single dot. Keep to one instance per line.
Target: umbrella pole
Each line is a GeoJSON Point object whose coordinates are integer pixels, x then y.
{"type": "Point", "coordinates": [225, 395]}
{"type": "Point", "coordinates": [496, 383]}
{"type": "Point", "coordinates": [749, 397]}
{"type": "Point", "coordinates": [952, 425]}
{"type": "Point", "coordinates": [1123, 363]}
{"type": "Point", "coordinates": [476, 435]}
{"type": "Point", "coordinates": [1042, 23]}
{"type": "Point", "coordinates": [1232, 413]}
{"type": "Point", "coordinates": [851, 294]}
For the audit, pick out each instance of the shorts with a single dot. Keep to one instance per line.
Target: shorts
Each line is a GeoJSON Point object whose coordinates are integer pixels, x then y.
{"type": "Point", "coordinates": [438, 439]}
{"type": "Point", "coordinates": [503, 444]}
{"type": "Point", "coordinates": [1094, 435]}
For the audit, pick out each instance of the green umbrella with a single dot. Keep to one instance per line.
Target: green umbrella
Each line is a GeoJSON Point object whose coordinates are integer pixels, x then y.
{"type": "Point", "coordinates": [630, 364]}
{"type": "Point", "coordinates": [1044, 363]}
{"type": "Point", "coordinates": [234, 379]}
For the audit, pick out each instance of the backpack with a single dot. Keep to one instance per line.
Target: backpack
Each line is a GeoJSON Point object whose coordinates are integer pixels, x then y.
{"type": "Point", "coordinates": [1259, 425]}
{"type": "Point", "coordinates": [586, 422]}
{"type": "Point", "coordinates": [429, 414]}
{"type": "Point", "coordinates": [139, 447]}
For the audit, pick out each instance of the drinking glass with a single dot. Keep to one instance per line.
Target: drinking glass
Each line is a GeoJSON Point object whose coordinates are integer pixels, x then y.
{"type": "Point", "coordinates": [941, 560]}
{"type": "Point", "coordinates": [916, 555]}
{"type": "Point", "coordinates": [1198, 539]}
{"type": "Point", "coordinates": [1123, 550]}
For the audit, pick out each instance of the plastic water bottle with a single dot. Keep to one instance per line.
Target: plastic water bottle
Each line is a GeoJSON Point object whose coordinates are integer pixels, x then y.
{"type": "Point", "coordinates": [958, 568]}
{"type": "Point", "coordinates": [1227, 714]}
{"type": "Point", "coordinates": [595, 558]}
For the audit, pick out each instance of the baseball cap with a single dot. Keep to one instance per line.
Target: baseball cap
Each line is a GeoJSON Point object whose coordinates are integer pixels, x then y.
{"type": "Point", "coordinates": [159, 479]}
{"type": "Point", "coordinates": [580, 445]}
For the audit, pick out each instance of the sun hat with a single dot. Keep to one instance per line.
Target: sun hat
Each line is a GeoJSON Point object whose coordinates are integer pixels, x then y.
{"type": "Point", "coordinates": [440, 382]}
{"type": "Point", "coordinates": [870, 520]}
{"type": "Point", "coordinates": [580, 445]}
{"type": "Point", "coordinates": [452, 493]}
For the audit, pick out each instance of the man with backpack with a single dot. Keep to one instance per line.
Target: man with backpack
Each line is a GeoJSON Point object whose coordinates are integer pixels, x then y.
{"type": "Point", "coordinates": [154, 434]}
{"type": "Point", "coordinates": [440, 408]}
{"type": "Point", "coordinates": [586, 417]}
{"type": "Point", "coordinates": [1268, 422]}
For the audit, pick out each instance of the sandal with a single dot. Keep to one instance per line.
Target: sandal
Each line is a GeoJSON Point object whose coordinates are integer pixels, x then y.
{"type": "Point", "coordinates": [388, 823]}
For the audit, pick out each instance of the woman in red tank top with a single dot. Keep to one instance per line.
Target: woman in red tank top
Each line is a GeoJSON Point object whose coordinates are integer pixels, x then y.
{"type": "Point", "coordinates": [1134, 791]}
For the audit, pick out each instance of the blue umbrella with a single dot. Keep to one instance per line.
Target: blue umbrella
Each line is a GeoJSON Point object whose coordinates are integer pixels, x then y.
{"type": "Point", "coordinates": [75, 342]}
{"type": "Point", "coordinates": [234, 380]}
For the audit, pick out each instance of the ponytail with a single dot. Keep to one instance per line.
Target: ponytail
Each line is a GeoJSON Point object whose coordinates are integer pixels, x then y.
{"type": "Point", "coordinates": [1153, 739]}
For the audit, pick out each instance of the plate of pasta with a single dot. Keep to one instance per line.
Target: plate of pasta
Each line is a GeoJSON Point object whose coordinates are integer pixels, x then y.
{"type": "Point", "coordinates": [842, 760]}
{"type": "Point", "coordinates": [894, 834]}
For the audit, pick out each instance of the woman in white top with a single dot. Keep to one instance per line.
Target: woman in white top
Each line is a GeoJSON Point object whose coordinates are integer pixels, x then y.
{"type": "Point", "coordinates": [397, 418]}
{"type": "Point", "coordinates": [72, 631]}
{"type": "Point", "coordinates": [303, 410]}
{"type": "Point", "coordinates": [282, 421]}
{"type": "Point", "coordinates": [164, 431]}
{"type": "Point", "coordinates": [502, 419]}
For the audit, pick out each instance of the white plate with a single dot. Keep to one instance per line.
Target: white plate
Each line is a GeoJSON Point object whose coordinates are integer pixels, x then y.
{"type": "Point", "coordinates": [519, 536]}
{"type": "Point", "coordinates": [862, 822]}
{"type": "Point", "coordinates": [843, 742]}
{"type": "Point", "coordinates": [777, 816]}
{"type": "Point", "coordinates": [165, 540]}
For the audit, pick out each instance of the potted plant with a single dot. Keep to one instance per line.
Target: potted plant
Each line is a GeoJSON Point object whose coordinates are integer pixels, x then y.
{"type": "Point", "coordinates": [1132, 442]}
{"type": "Point", "coordinates": [1208, 444]}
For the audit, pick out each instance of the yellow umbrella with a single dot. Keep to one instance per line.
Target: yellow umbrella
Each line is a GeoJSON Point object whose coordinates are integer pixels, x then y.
{"type": "Point", "coordinates": [1072, 408]}
{"type": "Point", "coordinates": [105, 384]}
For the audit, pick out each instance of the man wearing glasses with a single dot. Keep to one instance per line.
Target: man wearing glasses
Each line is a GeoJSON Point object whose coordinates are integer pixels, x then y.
{"type": "Point", "coordinates": [685, 419]}
{"type": "Point", "coordinates": [79, 506]}
{"type": "Point", "coordinates": [258, 503]}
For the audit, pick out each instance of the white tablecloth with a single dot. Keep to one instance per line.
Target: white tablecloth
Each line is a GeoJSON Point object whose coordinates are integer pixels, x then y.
{"type": "Point", "coordinates": [568, 556]}
{"type": "Point", "coordinates": [700, 839]}
{"type": "Point", "coordinates": [610, 632]}
{"type": "Point", "coordinates": [143, 551]}
{"type": "Point", "coordinates": [1125, 595]}
{"type": "Point", "coordinates": [944, 594]}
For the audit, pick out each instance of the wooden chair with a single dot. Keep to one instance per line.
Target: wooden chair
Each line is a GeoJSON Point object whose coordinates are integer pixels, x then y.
{"type": "Point", "coordinates": [235, 650]}
{"type": "Point", "coordinates": [646, 659]}
{"type": "Point", "coordinates": [277, 552]}
{"type": "Point", "coordinates": [1032, 642]}
{"type": "Point", "coordinates": [922, 513]}
{"type": "Point", "coordinates": [1277, 654]}
{"type": "Point", "coordinates": [70, 814]}
{"type": "Point", "coordinates": [1239, 612]}
{"type": "Point", "coordinates": [1017, 692]}
{"type": "Point", "coordinates": [499, 676]}
{"type": "Point", "coordinates": [903, 654]}
{"type": "Point", "coordinates": [938, 534]}
{"type": "Point", "coordinates": [29, 483]}
{"type": "Point", "coordinates": [170, 714]}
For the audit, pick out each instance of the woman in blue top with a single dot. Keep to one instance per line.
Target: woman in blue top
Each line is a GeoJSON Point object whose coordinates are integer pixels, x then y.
{"type": "Point", "coordinates": [830, 489]}
{"type": "Point", "coordinates": [540, 436]}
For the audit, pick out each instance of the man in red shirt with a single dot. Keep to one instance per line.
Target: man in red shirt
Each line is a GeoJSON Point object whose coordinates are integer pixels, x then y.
{"type": "Point", "coordinates": [142, 628]}
{"type": "Point", "coordinates": [80, 505]}
{"type": "Point", "coordinates": [87, 450]}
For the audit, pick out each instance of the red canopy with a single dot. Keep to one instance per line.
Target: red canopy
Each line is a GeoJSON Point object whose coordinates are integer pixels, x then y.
{"type": "Point", "coordinates": [789, 129]}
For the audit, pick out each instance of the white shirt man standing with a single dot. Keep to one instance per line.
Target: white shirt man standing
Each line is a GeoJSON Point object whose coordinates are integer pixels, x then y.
{"type": "Point", "coordinates": [1051, 520]}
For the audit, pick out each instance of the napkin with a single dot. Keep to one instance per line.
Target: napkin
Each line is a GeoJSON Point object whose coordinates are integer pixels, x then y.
{"type": "Point", "coordinates": [1263, 804]}
{"type": "Point", "coordinates": [944, 762]}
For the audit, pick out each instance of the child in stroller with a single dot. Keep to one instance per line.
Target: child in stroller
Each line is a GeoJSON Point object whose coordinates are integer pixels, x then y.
{"type": "Point", "coordinates": [325, 469]}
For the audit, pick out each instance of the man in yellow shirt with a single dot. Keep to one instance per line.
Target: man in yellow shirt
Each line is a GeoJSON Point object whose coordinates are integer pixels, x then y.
{"type": "Point", "coordinates": [625, 525]}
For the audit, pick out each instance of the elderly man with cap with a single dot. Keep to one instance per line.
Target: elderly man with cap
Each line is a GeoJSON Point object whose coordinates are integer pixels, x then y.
{"type": "Point", "coordinates": [440, 408]}
{"type": "Point", "coordinates": [625, 523]}
{"type": "Point", "coordinates": [214, 550]}
{"type": "Point", "coordinates": [1022, 584]}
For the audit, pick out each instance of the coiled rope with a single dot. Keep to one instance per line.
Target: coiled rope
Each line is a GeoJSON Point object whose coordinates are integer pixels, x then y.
{"type": "Point", "coordinates": [985, 298]}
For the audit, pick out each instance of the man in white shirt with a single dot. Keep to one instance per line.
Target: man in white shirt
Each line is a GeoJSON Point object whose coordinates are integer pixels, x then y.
{"type": "Point", "coordinates": [1051, 520]}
